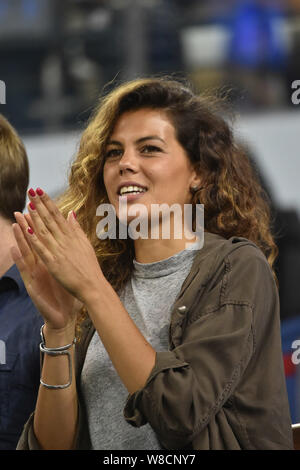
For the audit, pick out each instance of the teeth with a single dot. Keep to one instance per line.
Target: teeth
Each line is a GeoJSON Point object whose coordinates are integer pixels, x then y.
{"type": "Point", "coordinates": [130, 189]}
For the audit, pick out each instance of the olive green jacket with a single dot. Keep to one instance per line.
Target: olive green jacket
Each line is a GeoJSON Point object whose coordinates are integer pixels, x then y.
{"type": "Point", "coordinates": [221, 384]}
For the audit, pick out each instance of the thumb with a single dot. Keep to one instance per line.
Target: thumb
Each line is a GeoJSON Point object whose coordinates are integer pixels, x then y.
{"type": "Point", "coordinates": [19, 261]}
{"type": "Point", "coordinates": [72, 221]}
{"type": "Point", "coordinates": [15, 254]}
{"type": "Point", "coordinates": [71, 218]}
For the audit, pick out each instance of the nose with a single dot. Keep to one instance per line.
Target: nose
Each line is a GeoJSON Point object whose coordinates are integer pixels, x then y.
{"type": "Point", "coordinates": [128, 162]}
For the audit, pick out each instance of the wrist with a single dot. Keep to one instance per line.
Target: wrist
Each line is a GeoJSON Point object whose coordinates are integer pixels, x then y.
{"type": "Point", "coordinates": [93, 292]}
{"type": "Point", "coordinates": [57, 337]}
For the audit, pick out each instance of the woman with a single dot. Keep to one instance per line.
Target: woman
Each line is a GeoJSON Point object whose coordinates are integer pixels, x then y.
{"type": "Point", "coordinates": [191, 337]}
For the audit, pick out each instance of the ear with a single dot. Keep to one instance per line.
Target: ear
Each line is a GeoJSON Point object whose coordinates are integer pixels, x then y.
{"type": "Point", "coordinates": [195, 181]}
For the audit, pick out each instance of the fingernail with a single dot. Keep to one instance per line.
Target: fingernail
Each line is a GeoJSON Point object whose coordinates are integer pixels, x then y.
{"type": "Point", "coordinates": [31, 192]}
{"type": "Point", "coordinates": [74, 215]}
{"type": "Point", "coordinates": [29, 230]}
{"type": "Point", "coordinates": [39, 191]}
{"type": "Point", "coordinates": [32, 206]}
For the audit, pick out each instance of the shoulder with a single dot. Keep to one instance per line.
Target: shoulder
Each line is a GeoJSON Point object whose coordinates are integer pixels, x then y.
{"type": "Point", "coordinates": [216, 245]}
{"type": "Point", "coordinates": [239, 252]}
{"type": "Point", "coordinates": [236, 268]}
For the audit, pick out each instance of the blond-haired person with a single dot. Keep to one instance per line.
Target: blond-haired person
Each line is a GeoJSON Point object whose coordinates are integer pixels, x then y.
{"type": "Point", "coordinates": [177, 348]}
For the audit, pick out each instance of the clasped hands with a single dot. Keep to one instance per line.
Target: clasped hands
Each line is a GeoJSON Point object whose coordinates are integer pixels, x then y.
{"type": "Point", "coordinates": [54, 256]}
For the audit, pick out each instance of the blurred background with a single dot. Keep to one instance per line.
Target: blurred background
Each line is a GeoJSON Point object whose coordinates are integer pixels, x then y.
{"type": "Point", "coordinates": [57, 56]}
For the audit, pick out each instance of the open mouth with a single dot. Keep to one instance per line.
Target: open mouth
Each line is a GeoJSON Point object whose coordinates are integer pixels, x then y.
{"type": "Point", "coordinates": [131, 190]}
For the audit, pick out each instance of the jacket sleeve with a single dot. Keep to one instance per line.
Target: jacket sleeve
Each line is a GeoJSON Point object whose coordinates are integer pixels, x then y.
{"type": "Point", "coordinates": [28, 440]}
{"type": "Point", "coordinates": [189, 384]}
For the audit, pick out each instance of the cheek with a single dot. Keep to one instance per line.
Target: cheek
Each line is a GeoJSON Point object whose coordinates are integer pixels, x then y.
{"type": "Point", "coordinates": [161, 176]}
{"type": "Point", "coordinates": [107, 179]}
{"type": "Point", "coordinates": [173, 179]}
{"type": "Point", "coordinates": [105, 173]}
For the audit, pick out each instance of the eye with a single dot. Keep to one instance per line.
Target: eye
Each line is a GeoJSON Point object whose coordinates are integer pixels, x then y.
{"type": "Point", "coordinates": [113, 153]}
{"type": "Point", "coordinates": [150, 149]}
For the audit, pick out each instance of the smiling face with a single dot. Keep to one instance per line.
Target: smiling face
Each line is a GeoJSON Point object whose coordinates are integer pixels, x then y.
{"type": "Point", "coordinates": [143, 151]}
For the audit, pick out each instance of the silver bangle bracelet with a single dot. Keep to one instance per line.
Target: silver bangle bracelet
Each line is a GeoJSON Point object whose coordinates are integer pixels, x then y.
{"type": "Point", "coordinates": [59, 351]}
{"type": "Point", "coordinates": [61, 348]}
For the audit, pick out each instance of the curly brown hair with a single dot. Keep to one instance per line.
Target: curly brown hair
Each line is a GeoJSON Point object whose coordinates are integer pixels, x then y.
{"type": "Point", "coordinates": [234, 201]}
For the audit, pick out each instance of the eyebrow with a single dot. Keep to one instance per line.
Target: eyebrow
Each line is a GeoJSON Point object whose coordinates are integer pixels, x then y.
{"type": "Point", "coordinates": [138, 141]}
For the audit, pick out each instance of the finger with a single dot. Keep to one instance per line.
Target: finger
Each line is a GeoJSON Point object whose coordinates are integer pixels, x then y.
{"type": "Point", "coordinates": [29, 221]}
{"type": "Point", "coordinates": [18, 260]}
{"type": "Point", "coordinates": [20, 254]}
{"type": "Point", "coordinates": [39, 248]}
{"type": "Point", "coordinates": [37, 217]}
{"type": "Point", "coordinates": [25, 243]}
{"type": "Point", "coordinates": [72, 221]}
{"type": "Point", "coordinates": [22, 221]}
{"type": "Point", "coordinates": [49, 213]}
{"type": "Point", "coordinates": [15, 254]}
{"type": "Point", "coordinates": [19, 231]}
{"type": "Point", "coordinates": [24, 248]}
{"type": "Point", "coordinates": [31, 224]}
{"type": "Point", "coordinates": [71, 218]}
{"type": "Point", "coordinates": [75, 226]}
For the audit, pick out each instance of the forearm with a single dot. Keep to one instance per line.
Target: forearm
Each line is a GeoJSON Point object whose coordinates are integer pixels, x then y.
{"type": "Point", "coordinates": [56, 410]}
{"type": "Point", "coordinates": [131, 354]}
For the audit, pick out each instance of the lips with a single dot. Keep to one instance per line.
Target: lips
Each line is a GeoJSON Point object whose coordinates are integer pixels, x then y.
{"type": "Point", "coordinates": [128, 197]}
{"type": "Point", "coordinates": [130, 183]}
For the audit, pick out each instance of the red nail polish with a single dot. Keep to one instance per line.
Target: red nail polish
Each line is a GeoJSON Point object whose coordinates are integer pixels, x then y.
{"type": "Point", "coordinates": [74, 215]}
{"type": "Point", "coordinates": [31, 192]}
{"type": "Point", "coordinates": [32, 206]}
{"type": "Point", "coordinates": [30, 231]}
{"type": "Point", "coordinates": [39, 191]}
